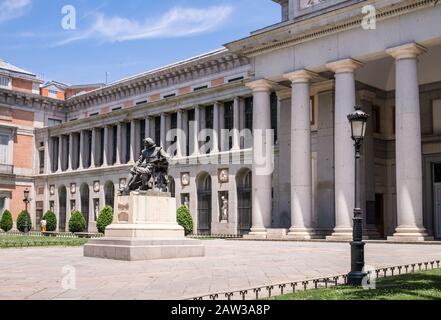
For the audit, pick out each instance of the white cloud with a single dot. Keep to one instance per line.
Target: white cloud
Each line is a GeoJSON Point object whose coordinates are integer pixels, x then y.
{"type": "Point", "coordinates": [178, 22]}
{"type": "Point", "coordinates": [11, 9]}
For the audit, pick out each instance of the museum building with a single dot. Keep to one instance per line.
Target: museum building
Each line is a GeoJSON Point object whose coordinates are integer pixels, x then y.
{"type": "Point", "coordinates": [74, 145]}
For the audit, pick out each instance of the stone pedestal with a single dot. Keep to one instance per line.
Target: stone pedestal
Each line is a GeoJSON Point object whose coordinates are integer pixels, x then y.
{"type": "Point", "coordinates": [144, 228]}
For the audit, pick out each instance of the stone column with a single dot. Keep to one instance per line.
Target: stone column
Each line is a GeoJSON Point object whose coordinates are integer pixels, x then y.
{"type": "Point", "coordinates": [106, 155]}
{"type": "Point", "coordinates": [216, 107]}
{"type": "Point", "coordinates": [408, 145]}
{"type": "Point", "coordinates": [119, 145]}
{"type": "Point", "coordinates": [262, 180]}
{"type": "Point", "coordinates": [301, 158]}
{"type": "Point", "coordinates": [47, 154]}
{"type": "Point", "coordinates": [179, 137]}
{"type": "Point", "coordinates": [163, 134]}
{"type": "Point", "coordinates": [93, 154]}
{"type": "Point", "coordinates": [132, 140]}
{"type": "Point", "coordinates": [81, 151]}
{"type": "Point", "coordinates": [185, 137]}
{"type": "Point", "coordinates": [195, 133]}
{"type": "Point", "coordinates": [147, 128]}
{"type": "Point", "coordinates": [71, 153]}
{"type": "Point", "coordinates": [344, 147]}
{"type": "Point", "coordinates": [236, 124]}
{"type": "Point", "coordinates": [60, 153]}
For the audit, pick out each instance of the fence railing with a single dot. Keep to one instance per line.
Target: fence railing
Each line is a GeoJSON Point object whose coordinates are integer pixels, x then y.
{"type": "Point", "coordinates": [214, 236]}
{"type": "Point", "coordinates": [53, 234]}
{"type": "Point", "coordinates": [279, 289]}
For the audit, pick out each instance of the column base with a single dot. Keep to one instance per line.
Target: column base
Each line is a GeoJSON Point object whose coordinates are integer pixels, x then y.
{"type": "Point", "coordinates": [341, 234]}
{"type": "Point", "coordinates": [404, 234]}
{"type": "Point", "coordinates": [302, 234]}
{"type": "Point", "coordinates": [256, 234]}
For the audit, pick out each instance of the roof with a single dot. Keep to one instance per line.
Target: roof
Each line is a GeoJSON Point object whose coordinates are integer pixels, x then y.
{"type": "Point", "coordinates": [4, 65]}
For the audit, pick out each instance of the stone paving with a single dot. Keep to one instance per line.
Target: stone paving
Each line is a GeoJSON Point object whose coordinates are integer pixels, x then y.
{"type": "Point", "coordinates": [228, 265]}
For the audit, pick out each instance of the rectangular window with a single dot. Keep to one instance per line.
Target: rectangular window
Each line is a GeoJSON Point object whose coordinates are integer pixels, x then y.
{"type": "Point", "coordinates": [200, 88]}
{"type": "Point", "coordinates": [170, 95]}
{"type": "Point", "coordinates": [117, 108]}
{"type": "Point", "coordinates": [5, 82]}
{"type": "Point", "coordinates": [53, 122]}
{"type": "Point", "coordinates": [141, 102]}
{"type": "Point", "coordinates": [4, 149]}
{"type": "Point", "coordinates": [52, 93]}
{"type": "Point", "coordinates": [94, 114]}
{"type": "Point", "coordinates": [235, 79]}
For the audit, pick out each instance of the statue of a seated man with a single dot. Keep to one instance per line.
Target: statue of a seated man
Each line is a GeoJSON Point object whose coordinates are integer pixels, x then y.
{"type": "Point", "coordinates": [150, 171]}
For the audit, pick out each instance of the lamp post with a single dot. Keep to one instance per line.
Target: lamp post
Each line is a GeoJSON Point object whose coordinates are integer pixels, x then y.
{"type": "Point", "coordinates": [358, 120]}
{"type": "Point", "coordinates": [26, 200]}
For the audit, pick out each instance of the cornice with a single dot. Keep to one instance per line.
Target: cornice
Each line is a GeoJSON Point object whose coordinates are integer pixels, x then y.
{"type": "Point", "coordinates": [297, 32]}
{"type": "Point", "coordinates": [22, 99]}
{"type": "Point", "coordinates": [145, 83]}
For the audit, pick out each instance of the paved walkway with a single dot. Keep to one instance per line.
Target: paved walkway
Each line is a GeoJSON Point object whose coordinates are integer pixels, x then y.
{"type": "Point", "coordinates": [228, 265]}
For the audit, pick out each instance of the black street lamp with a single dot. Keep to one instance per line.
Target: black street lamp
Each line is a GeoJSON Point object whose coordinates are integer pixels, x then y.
{"type": "Point", "coordinates": [358, 120]}
{"type": "Point", "coordinates": [26, 200]}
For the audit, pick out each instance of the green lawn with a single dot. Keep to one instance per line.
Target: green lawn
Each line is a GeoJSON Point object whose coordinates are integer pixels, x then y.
{"type": "Point", "coordinates": [415, 286]}
{"type": "Point", "coordinates": [12, 241]}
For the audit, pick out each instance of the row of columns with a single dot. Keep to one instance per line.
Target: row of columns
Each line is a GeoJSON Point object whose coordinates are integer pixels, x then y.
{"type": "Point", "coordinates": [408, 150]}
{"type": "Point", "coordinates": [83, 146]}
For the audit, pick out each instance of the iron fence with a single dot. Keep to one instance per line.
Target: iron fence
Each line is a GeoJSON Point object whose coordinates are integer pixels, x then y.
{"type": "Point", "coordinates": [52, 234]}
{"type": "Point", "coordinates": [269, 291]}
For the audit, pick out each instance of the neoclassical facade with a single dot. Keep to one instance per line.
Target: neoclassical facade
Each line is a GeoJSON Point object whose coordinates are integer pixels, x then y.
{"type": "Point", "coordinates": [298, 80]}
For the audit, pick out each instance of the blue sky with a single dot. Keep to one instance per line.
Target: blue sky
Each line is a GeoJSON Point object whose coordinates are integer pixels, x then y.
{"type": "Point", "coordinates": [121, 37]}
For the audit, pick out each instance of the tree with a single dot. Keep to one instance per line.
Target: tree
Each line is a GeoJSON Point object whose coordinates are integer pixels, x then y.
{"type": "Point", "coordinates": [51, 221]}
{"type": "Point", "coordinates": [77, 223]}
{"type": "Point", "coordinates": [185, 219]}
{"type": "Point", "coordinates": [6, 222]}
{"type": "Point", "coordinates": [104, 219]}
{"type": "Point", "coordinates": [21, 221]}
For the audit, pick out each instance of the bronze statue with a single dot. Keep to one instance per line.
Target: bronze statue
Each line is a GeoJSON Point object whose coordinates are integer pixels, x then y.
{"type": "Point", "coordinates": [150, 171]}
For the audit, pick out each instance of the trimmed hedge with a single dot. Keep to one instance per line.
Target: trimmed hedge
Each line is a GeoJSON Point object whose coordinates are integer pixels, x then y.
{"type": "Point", "coordinates": [104, 219]}
{"type": "Point", "coordinates": [21, 221]}
{"type": "Point", "coordinates": [185, 220]}
{"type": "Point", "coordinates": [51, 221]}
{"type": "Point", "coordinates": [6, 222]}
{"type": "Point", "coordinates": [77, 223]}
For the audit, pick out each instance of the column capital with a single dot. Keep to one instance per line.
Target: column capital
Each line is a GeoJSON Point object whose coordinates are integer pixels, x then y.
{"type": "Point", "coordinates": [261, 85]}
{"type": "Point", "coordinates": [284, 94]}
{"type": "Point", "coordinates": [406, 51]}
{"type": "Point", "coordinates": [344, 66]}
{"type": "Point", "coordinates": [300, 76]}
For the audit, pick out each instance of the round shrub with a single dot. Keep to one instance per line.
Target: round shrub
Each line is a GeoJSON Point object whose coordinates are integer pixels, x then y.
{"type": "Point", "coordinates": [185, 219]}
{"type": "Point", "coordinates": [6, 222]}
{"type": "Point", "coordinates": [51, 221]}
{"type": "Point", "coordinates": [104, 219]}
{"type": "Point", "coordinates": [21, 221]}
{"type": "Point", "coordinates": [77, 223]}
